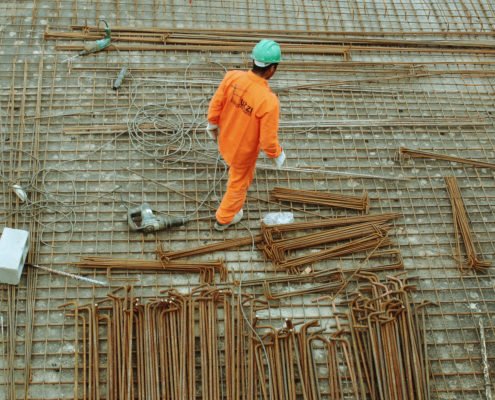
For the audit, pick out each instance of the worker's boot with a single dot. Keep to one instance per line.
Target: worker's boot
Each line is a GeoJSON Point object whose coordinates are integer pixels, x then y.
{"type": "Point", "coordinates": [221, 227]}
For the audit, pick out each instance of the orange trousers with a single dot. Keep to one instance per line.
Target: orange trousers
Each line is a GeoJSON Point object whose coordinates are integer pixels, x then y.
{"type": "Point", "coordinates": [235, 195]}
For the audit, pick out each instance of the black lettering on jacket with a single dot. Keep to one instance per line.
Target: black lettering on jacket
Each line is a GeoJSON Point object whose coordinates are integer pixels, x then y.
{"type": "Point", "coordinates": [239, 101]}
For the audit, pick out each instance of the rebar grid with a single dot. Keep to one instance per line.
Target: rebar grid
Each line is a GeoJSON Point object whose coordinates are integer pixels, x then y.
{"type": "Point", "coordinates": [393, 16]}
{"type": "Point", "coordinates": [65, 122]}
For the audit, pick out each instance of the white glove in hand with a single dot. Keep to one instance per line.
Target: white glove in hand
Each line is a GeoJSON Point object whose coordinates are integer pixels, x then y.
{"type": "Point", "coordinates": [212, 131]}
{"type": "Point", "coordinates": [279, 161]}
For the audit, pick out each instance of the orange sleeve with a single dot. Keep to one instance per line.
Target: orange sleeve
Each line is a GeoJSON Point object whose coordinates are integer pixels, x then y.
{"type": "Point", "coordinates": [218, 100]}
{"type": "Point", "coordinates": [269, 130]}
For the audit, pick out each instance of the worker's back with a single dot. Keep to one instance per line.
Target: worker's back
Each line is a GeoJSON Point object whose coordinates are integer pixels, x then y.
{"type": "Point", "coordinates": [247, 112]}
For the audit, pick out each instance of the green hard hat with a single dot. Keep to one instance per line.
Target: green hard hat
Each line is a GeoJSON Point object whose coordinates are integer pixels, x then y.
{"type": "Point", "coordinates": [266, 52]}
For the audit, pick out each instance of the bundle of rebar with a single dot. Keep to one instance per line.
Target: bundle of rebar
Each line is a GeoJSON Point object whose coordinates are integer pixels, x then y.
{"type": "Point", "coordinates": [360, 203]}
{"type": "Point", "coordinates": [387, 339]}
{"type": "Point", "coordinates": [206, 269]}
{"type": "Point", "coordinates": [366, 243]}
{"type": "Point", "coordinates": [211, 344]}
{"type": "Point", "coordinates": [269, 231]}
{"type": "Point", "coordinates": [385, 260]}
{"type": "Point", "coordinates": [324, 281]}
{"type": "Point", "coordinates": [413, 153]}
{"type": "Point", "coordinates": [210, 248]}
{"type": "Point", "coordinates": [376, 351]}
{"type": "Point", "coordinates": [362, 233]}
{"type": "Point", "coordinates": [299, 41]}
{"type": "Point", "coordinates": [383, 122]}
{"type": "Point", "coordinates": [277, 250]}
{"type": "Point", "coordinates": [352, 238]}
{"type": "Point", "coordinates": [463, 229]}
{"type": "Point", "coordinates": [161, 39]}
{"type": "Point", "coordinates": [290, 369]}
{"type": "Point", "coordinates": [168, 348]}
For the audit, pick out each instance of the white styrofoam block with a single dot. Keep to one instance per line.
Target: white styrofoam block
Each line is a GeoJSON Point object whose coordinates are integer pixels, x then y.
{"type": "Point", "coordinates": [14, 246]}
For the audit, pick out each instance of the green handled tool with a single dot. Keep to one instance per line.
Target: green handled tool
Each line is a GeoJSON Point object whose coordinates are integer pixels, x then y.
{"type": "Point", "coordinates": [100, 44]}
{"type": "Point", "coordinates": [95, 46]}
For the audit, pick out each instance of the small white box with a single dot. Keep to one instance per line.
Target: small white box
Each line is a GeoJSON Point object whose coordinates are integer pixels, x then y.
{"type": "Point", "coordinates": [14, 246]}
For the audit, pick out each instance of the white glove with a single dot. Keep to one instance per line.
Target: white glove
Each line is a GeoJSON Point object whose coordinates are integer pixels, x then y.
{"type": "Point", "coordinates": [212, 130]}
{"type": "Point", "coordinates": [279, 161]}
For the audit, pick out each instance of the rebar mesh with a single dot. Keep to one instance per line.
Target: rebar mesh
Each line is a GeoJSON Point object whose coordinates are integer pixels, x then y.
{"type": "Point", "coordinates": [65, 137]}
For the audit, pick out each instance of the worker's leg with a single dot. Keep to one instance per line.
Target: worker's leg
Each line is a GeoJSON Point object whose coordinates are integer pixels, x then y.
{"type": "Point", "coordinates": [235, 195]}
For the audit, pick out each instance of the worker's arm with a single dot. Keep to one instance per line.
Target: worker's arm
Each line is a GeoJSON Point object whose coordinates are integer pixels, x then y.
{"type": "Point", "coordinates": [218, 100]}
{"type": "Point", "coordinates": [215, 108]}
{"type": "Point", "coordinates": [269, 131]}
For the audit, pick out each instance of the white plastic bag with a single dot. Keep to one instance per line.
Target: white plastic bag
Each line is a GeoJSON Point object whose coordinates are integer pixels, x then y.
{"type": "Point", "coordinates": [278, 218]}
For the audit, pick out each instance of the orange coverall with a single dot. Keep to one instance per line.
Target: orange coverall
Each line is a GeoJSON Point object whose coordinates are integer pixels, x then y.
{"type": "Point", "coordinates": [246, 112]}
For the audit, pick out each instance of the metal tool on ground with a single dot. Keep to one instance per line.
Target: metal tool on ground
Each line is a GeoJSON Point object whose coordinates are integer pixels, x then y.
{"type": "Point", "coordinates": [142, 219]}
{"type": "Point", "coordinates": [69, 275]}
{"type": "Point", "coordinates": [100, 44]}
{"type": "Point", "coordinates": [120, 78]}
{"type": "Point", "coordinates": [97, 45]}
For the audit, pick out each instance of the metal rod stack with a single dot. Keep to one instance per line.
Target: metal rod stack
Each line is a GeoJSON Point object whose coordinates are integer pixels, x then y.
{"type": "Point", "coordinates": [243, 40]}
{"type": "Point", "coordinates": [360, 203]}
{"type": "Point", "coordinates": [209, 248]}
{"type": "Point", "coordinates": [413, 153]}
{"type": "Point", "coordinates": [463, 230]}
{"type": "Point", "coordinates": [270, 230]}
{"type": "Point", "coordinates": [175, 347]}
{"type": "Point", "coordinates": [290, 369]}
{"type": "Point", "coordinates": [293, 355]}
{"type": "Point", "coordinates": [388, 341]}
{"type": "Point", "coordinates": [323, 281]}
{"type": "Point", "coordinates": [348, 239]}
{"type": "Point", "coordinates": [350, 234]}
{"type": "Point", "coordinates": [206, 269]}
{"type": "Point", "coordinates": [328, 223]}
{"type": "Point", "coordinates": [201, 40]}
{"type": "Point", "coordinates": [377, 350]}
{"type": "Point", "coordinates": [211, 344]}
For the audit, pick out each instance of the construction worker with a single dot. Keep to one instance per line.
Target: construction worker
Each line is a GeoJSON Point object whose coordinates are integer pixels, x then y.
{"type": "Point", "coordinates": [243, 117]}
